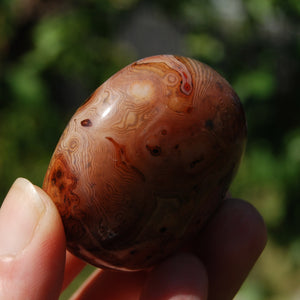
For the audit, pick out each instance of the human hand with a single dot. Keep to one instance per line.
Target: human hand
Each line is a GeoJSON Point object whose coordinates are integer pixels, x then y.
{"type": "Point", "coordinates": [34, 263]}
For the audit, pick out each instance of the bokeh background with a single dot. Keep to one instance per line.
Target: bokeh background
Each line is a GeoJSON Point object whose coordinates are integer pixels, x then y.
{"type": "Point", "coordinates": [53, 54]}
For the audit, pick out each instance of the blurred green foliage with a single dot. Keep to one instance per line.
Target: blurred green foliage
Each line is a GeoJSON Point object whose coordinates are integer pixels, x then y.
{"type": "Point", "coordinates": [53, 54]}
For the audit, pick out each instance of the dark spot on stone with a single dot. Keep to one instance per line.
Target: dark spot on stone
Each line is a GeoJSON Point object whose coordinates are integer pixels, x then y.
{"type": "Point", "coordinates": [58, 174]}
{"type": "Point", "coordinates": [163, 229]}
{"type": "Point", "coordinates": [154, 150]}
{"type": "Point", "coordinates": [86, 123]}
{"type": "Point", "coordinates": [195, 187]}
{"type": "Point", "coordinates": [193, 163]}
{"type": "Point", "coordinates": [196, 161]}
{"type": "Point", "coordinates": [66, 200]}
{"type": "Point", "coordinates": [209, 124]}
{"type": "Point", "coordinates": [61, 187]}
{"type": "Point", "coordinates": [198, 221]}
{"type": "Point", "coordinates": [219, 86]}
{"type": "Point", "coordinates": [189, 109]}
{"type": "Point", "coordinates": [164, 132]}
{"type": "Point", "coordinates": [176, 146]}
{"type": "Point", "coordinates": [236, 100]}
{"type": "Point", "coordinates": [148, 257]}
{"type": "Point", "coordinates": [132, 252]}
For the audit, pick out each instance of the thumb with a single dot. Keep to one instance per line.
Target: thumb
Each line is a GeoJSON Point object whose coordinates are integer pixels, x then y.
{"type": "Point", "coordinates": [32, 244]}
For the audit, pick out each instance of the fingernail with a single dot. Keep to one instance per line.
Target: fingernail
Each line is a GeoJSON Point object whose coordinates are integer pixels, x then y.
{"type": "Point", "coordinates": [20, 215]}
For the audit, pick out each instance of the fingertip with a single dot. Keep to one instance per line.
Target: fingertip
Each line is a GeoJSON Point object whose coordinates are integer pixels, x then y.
{"type": "Point", "coordinates": [181, 276]}
{"type": "Point", "coordinates": [34, 244]}
{"type": "Point", "coordinates": [20, 215]}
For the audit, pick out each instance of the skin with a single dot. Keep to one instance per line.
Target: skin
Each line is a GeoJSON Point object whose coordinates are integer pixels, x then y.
{"type": "Point", "coordinates": [34, 263]}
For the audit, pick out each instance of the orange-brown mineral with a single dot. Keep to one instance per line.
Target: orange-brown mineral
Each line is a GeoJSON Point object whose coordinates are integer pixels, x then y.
{"type": "Point", "coordinates": [145, 161]}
